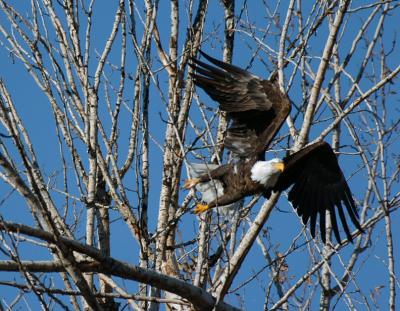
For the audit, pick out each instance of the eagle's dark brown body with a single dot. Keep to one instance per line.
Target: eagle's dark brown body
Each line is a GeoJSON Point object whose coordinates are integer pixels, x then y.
{"type": "Point", "coordinates": [236, 180]}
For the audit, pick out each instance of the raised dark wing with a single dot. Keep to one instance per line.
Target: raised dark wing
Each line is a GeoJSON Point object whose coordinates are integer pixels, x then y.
{"type": "Point", "coordinates": [318, 186]}
{"type": "Point", "coordinates": [255, 108]}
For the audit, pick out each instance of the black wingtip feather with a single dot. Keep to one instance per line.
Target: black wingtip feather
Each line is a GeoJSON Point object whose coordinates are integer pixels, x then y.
{"type": "Point", "coordinates": [351, 208]}
{"type": "Point", "coordinates": [315, 206]}
{"type": "Point", "coordinates": [299, 195]}
{"type": "Point", "coordinates": [296, 191]}
{"type": "Point", "coordinates": [322, 230]}
{"type": "Point", "coordinates": [198, 65]}
{"type": "Point", "coordinates": [223, 65]}
{"type": "Point", "coordinates": [308, 204]}
{"type": "Point", "coordinates": [334, 222]}
{"type": "Point", "coordinates": [313, 222]}
{"type": "Point", "coordinates": [338, 203]}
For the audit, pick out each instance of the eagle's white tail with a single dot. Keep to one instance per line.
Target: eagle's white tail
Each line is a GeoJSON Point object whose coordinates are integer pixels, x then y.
{"type": "Point", "coordinates": [210, 190]}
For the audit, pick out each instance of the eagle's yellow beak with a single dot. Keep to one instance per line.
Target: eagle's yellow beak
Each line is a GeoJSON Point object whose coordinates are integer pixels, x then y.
{"type": "Point", "coordinates": [279, 166]}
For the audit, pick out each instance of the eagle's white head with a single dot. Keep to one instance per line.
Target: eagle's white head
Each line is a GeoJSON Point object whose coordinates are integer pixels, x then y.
{"type": "Point", "coordinates": [267, 172]}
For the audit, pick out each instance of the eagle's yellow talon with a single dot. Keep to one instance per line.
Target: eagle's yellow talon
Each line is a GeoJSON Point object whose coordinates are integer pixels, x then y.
{"type": "Point", "coordinates": [190, 183]}
{"type": "Point", "coordinates": [201, 208]}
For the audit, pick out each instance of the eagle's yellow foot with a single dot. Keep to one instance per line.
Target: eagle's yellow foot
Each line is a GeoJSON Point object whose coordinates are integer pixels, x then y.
{"type": "Point", "coordinates": [200, 208]}
{"type": "Point", "coordinates": [190, 183]}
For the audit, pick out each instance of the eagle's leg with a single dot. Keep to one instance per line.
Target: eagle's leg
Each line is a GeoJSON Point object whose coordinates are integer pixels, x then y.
{"type": "Point", "coordinates": [190, 183]}
{"type": "Point", "coordinates": [201, 208]}
{"type": "Point", "coordinates": [214, 174]}
{"type": "Point", "coordinates": [225, 199]}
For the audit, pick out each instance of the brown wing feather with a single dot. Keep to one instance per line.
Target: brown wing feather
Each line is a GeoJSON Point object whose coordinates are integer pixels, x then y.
{"type": "Point", "coordinates": [255, 108]}
{"type": "Point", "coordinates": [318, 185]}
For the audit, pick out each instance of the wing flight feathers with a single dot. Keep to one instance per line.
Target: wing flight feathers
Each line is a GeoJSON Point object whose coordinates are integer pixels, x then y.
{"type": "Point", "coordinates": [318, 186]}
{"type": "Point", "coordinates": [233, 88]}
{"type": "Point", "coordinates": [255, 108]}
{"type": "Point", "coordinates": [226, 66]}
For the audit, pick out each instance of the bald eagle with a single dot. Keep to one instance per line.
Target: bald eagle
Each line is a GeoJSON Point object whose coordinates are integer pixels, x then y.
{"type": "Point", "coordinates": [256, 110]}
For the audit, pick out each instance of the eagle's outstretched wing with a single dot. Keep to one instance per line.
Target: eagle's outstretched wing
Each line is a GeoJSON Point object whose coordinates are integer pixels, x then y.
{"type": "Point", "coordinates": [318, 185]}
{"type": "Point", "coordinates": [255, 108]}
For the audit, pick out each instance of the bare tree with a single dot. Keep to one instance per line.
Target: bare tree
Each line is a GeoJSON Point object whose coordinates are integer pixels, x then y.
{"type": "Point", "coordinates": [127, 118]}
